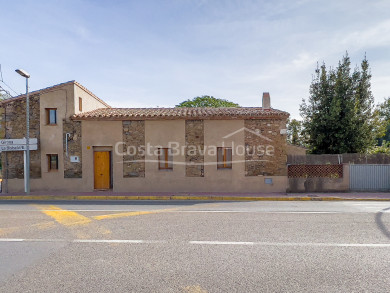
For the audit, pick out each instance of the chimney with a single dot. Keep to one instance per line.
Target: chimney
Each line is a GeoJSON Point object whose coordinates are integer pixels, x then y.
{"type": "Point", "coordinates": [266, 101]}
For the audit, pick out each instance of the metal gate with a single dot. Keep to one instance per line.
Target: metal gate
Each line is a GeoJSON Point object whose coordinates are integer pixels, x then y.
{"type": "Point", "coordinates": [369, 177]}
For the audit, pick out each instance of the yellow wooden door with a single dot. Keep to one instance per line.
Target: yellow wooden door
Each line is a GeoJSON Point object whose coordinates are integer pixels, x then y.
{"type": "Point", "coordinates": [102, 170]}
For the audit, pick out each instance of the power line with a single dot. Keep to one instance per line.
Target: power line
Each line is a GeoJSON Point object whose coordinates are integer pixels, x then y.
{"type": "Point", "coordinates": [16, 93]}
{"type": "Point", "coordinates": [7, 93]}
{"type": "Point", "coordinates": [2, 80]}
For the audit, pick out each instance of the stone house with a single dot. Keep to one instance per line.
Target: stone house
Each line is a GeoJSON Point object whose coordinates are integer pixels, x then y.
{"type": "Point", "coordinates": [85, 145]}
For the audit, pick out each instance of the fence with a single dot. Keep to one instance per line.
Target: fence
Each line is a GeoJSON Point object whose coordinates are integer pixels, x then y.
{"type": "Point", "coordinates": [338, 159]}
{"type": "Point", "coordinates": [344, 172]}
{"type": "Point", "coordinates": [318, 178]}
{"type": "Point", "coordinates": [310, 171]}
{"type": "Point", "coordinates": [369, 177]}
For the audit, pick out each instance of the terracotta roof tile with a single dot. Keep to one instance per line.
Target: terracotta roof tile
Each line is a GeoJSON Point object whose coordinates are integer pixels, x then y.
{"type": "Point", "coordinates": [179, 113]}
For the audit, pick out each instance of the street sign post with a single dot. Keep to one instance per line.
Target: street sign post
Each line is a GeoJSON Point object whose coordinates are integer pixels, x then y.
{"type": "Point", "coordinates": [18, 141]}
{"type": "Point", "coordinates": [17, 148]}
{"type": "Point", "coordinates": [19, 144]}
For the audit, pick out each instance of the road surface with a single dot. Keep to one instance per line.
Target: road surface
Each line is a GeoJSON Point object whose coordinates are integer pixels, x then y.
{"type": "Point", "coordinates": [184, 246]}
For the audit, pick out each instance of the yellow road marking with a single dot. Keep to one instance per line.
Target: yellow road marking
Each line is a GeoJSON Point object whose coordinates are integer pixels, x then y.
{"type": "Point", "coordinates": [130, 214]}
{"type": "Point", "coordinates": [194, 289]}
{"type": "Point", "coordinates": [64, 217]}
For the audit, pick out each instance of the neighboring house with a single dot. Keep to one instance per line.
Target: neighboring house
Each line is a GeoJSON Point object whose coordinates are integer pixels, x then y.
{"type": "Point", "coordinates": [84, 145]}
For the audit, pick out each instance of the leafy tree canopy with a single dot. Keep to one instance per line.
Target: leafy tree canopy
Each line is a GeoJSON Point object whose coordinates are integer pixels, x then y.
{"type": "Point", "coordinates": [295, 133]}
{"type": "Point", "coordinates": [338, 116]}
{"type": "Point", "coordinates": [384, 114]}
{"type": "Point", "coordinates": [207, 101]}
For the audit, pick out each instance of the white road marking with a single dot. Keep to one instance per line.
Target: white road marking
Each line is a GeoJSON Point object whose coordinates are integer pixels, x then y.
{"type": "Point", "coordinates": [292, 244]}
{"type": "Point", "coordinates": [84, 240]}
{"type": "Point", "coordinates": [258, 212]}
{"type": "Point", "coordinates": [221, 243]}
{"type": "Point", "coordinates": [11, 240]}
{"type": "Point", "coordinates": [116, 241]}
{"type": "Point", "coordinates": [242, 243]}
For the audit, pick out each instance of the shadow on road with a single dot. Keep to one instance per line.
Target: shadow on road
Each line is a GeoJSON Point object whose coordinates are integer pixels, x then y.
{"type": "Point", "coordinates": [379, 222]}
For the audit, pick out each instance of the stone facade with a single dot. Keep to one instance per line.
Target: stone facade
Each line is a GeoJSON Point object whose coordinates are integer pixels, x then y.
{"type": "Point", "coordinates": [134, 142]}
{"type": "Point", "coordinates": [13, 124]}
{"type": "Point", "coordinates": [72, 169]}
{"type": "Point", "coordinates": [266, 148]}
{"type": "Point", "coordinates": [194, 131]}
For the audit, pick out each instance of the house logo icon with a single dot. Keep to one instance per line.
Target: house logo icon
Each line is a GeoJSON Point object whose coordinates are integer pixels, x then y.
{"type": "Point", "coordinates": [257, 133]}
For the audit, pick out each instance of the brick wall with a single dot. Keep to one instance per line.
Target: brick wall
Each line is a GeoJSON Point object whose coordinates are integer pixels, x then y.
{"type": "Point", "coordinates": [133, 137]}
{"type": "Point", "coordinates": [13, 124]}
{"type": "Point", "coordinates": [72, 169]}
{"type": "Point", "coordinates": [265, 148]}
{"type": "Point", "coordinates": [194, 131]}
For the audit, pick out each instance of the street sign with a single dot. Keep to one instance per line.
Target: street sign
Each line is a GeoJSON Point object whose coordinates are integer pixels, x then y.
{"type": "Point", "coordinates": [16, 148]}
{"type": "Point", "coordinates": [19, 144]}
{"type": "Point", "coordinates": [17, 141]}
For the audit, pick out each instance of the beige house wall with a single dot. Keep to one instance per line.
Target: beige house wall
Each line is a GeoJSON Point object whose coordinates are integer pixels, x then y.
{"type": "Point", "coordinates": [103, 134]}
{"type": "Point", "coordinates": [106, 134]}
{"type": "Point", "coordinates": [214, 180]}
{"type": "Point", "coordinates": [65, 100]}
{"type": "Point", "coordinates": [89, 102]}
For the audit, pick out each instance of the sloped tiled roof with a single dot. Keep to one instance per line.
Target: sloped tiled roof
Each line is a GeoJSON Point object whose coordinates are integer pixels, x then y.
{"type": "Point", "coordinates": [52, 88]}
{"type": "Point", "coordinates": [179, 113]}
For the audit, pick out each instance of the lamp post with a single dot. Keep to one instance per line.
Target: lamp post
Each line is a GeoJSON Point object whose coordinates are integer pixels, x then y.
{"type": "Point", "coordinates": [27, 153]}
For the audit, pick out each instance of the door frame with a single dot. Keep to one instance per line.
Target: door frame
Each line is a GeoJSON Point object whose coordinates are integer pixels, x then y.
{"type": "Point", "coordinates": [103, 149]}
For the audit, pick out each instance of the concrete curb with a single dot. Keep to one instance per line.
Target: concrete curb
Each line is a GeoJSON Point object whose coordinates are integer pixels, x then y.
{"type": "Point", "coordinates": [185, 197]}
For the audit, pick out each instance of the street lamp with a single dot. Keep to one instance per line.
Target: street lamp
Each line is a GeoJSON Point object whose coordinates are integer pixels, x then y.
{"type": "Point", "coordinates": [27, 157]}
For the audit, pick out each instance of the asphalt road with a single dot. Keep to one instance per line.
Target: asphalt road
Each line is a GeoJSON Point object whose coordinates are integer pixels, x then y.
{"type": "Point", "coordinates": [151, 246]}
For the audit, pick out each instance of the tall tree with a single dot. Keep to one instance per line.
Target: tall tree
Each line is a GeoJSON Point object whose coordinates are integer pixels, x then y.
{"type": "Point", "coordinates": [338, 116]}
{"type": "Point", "coordinates": [383, 110]}
{"type": "Point", "coordinates": [207, 101]}
{"type": "Point", "coordinates": [294, 132]}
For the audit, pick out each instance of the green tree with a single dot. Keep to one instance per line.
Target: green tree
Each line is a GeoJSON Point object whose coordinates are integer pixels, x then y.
{"type": "Point", "coordinates": [338, 116]}
{"type": "Point", "coordinates": [207, 101]}
{"type": "Point", "coordinates": [383, 110]}
{"type": "Point", "coordinates": [295, 134]}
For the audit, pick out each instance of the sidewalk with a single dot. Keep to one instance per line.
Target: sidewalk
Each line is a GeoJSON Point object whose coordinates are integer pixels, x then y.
{"type": "Point", "coordinates": [208, 196]}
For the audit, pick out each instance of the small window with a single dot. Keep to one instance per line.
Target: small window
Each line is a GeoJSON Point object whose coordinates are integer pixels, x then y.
{"type": "Point", "coordinates": [224, 158]}
{"type": "Point", "coordinates": [165, 159]}
{"type": "Point", "coordinates": [80, 104]}
{"type": "Point", "coordinates": [51, 116]}
{"type": "Point", "coordinates": [53, 162]}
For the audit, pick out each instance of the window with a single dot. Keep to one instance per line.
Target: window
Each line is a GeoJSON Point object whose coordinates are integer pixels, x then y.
{"type": "Point", "coordinates": [52, 162]}
{"type": "Point", "coordinates": [224, 158]}
{"type": "Point", "coordinates": [165, 159]}
{"type": "Point", "coordinates": [51, 116]}
{"type": "Point", "coordinates": [80, 104]}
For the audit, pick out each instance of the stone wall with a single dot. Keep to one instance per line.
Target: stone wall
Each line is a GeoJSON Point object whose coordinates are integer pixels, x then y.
{"type": "Point", "coordinates": [194, 131]}
{"type": "Point", "coordinates": [13, 124]}
{"type": "Point", "coordinates": [134, 142]}
{"type": "Point", "coordinates": [72, 169]}
{"type": "Point", "coordinates": [266, 148]}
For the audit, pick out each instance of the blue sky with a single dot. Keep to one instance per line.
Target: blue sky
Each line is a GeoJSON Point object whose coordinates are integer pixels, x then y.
{"type": "Point", "coordinates": [159, 53]}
